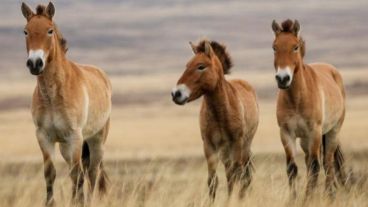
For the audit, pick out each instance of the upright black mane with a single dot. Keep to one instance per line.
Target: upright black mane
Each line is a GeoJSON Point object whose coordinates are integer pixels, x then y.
{"type": "Point", "coordinates": [221, 53]}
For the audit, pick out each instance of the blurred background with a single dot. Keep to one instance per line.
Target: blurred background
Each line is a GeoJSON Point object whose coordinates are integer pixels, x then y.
{"type": "Point", "coordinates": [143, 46]}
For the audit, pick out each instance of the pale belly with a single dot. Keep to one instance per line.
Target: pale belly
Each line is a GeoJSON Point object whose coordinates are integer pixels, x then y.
{"type": "Point", "coordinates": [60, 127]}
{"type": "Point", "coordinates": [298, 126]}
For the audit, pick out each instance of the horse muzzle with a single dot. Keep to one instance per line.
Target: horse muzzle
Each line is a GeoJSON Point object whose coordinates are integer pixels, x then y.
{"type": "Point", "coordinates": [35, 66]}
{"type": "Point", "coordinates": [180, 94]}
{"type": "Point", "coordinates": [283, 82]}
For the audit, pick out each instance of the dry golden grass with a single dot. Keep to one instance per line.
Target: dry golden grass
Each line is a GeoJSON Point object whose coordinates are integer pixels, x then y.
{"type": "Point", "coordinates": [180, 183]}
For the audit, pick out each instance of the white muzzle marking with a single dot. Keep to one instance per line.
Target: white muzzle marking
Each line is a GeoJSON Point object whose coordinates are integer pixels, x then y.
{"type": "Point", "coordinates": [33, 55]}
{"type": "Point", "coordinates": [181, 93]}
{"type": "Point", "coordinates": [284, 72]}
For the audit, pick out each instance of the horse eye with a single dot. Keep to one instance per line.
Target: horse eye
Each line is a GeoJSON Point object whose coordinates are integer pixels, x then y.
{"type": "Point", "coordinates": [50, 32]}
{"type": "Point", "coordinates": [296, 48]}
{"type": "Point", "coordinates": [201, 67]}
{"type": "Point", "coordinates": [25, 32]}
{"type": "Point", "coordinates": [274, 48]}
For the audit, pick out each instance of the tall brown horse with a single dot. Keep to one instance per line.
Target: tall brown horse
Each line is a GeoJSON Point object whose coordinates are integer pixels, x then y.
{"type": "Point", "coordinates": [228, 117]}
{"type": "Point", "coordinates": [310, 105]}
{"type": "Point", "coordinates": [71, 104]}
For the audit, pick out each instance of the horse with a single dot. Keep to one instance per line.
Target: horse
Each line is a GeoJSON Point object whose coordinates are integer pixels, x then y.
{"type": "Point", "coordinates": [228, 115]}
{"type": "Point", "coordinates": [71, 105]}
{"type": "Point", "coordinates": [310, 106]}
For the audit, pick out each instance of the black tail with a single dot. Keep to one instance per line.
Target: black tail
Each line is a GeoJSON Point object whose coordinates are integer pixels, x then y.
{"type": "Point", "coordinates": [339, 161]}
{"type": "Point", "coordinates": [85, 156]}
{"type": "Point", "coordinates": [104, 181]}
{"type": "Point", "coordinates": [339, 166]}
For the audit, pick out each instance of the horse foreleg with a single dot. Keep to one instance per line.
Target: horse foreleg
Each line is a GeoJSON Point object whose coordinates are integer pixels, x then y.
{"type": "Point", "coordinates": [76, 173]}
{"type": "Point", "coordinates": [47, 148]}
{"type": "Point", "coordinates": [288, 141]}
{"type": "Point", "coordinates": [313, 159]}
{"type": "Point", "coordinates": [212, 162]}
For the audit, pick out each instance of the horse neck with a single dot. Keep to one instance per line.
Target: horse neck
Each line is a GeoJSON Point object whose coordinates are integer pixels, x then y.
{"type": "Point", "coordinates": [54, 75]}
{"type": "Point", "coordinates": [298, 90]}
{"type": "Point", "coordinates": [219, 101]}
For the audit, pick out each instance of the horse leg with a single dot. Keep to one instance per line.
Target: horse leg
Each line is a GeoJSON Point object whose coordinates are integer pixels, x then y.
{"type": "Point", "coordinates": [234, 166]}
{"type": "Point", "coordinates": [95, 173]}
{"type": "Point", "coordinates": [103, 180]}
{"type": "Point", "coordinates": [48, 149]}
{"type": "Point", "coordinates": [246, 174]}
{"type": "Point", "coordinates": [340, 172]}
{"type": "Point", "coordinates": [304, 144]}
{"type": "Point", "coordinates": [331, 145]}
{"type": "Point", "coordinates": [212, 162]}
{"type": "Point", "coordinates": [288, 141]}
{"type": "Point", "coordinates": [313, 159]}
{"type": "Point", "coordinates": [72, 152]}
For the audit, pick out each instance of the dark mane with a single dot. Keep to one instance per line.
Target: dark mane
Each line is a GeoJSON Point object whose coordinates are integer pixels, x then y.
{"type": "Point", "coordinates": [62, 40]}
{"type": "Point", "coordinates": [288, 26]}
{"type": "Point", "coordinates": [221, 53]}
{"type": "Point", "coordinates": [41, 10]}
{"type": "Point", "coordinates": [302, 46]}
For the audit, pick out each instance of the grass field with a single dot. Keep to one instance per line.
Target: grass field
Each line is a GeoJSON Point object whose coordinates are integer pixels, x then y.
{"type": "Point", "coordinates": [180, 182]}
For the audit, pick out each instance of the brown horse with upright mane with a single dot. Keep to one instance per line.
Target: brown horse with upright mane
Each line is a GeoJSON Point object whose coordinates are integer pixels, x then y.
{"type": "Point", "coordinates": [311, 106]}
{"type": "Point", "coordinates": [71, 104]}
{"type": "Point", "coordinates": [228, 117]}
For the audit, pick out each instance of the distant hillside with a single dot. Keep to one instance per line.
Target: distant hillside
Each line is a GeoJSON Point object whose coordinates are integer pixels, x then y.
{"type": "Point", "coordinates": [152, 36]}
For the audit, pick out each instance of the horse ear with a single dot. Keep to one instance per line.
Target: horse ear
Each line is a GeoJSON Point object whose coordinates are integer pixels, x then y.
{"type": "Point", "coordinates": [296, 28]}
{"type": "Point", "coordinates": [276, 27]}
{"type": "Point", "coordinates": [208, 49]}
{"type": "Point", "coordinates": [194, 48]}
{"type": "Point", "coordinates": [26, 11]}
{"type": "Point", "coordinates": [50, 10]}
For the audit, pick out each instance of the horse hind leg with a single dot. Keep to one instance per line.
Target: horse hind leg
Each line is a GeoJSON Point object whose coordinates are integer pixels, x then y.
{"type": "Point", "coordinates": [338, 160]}
{"type": "Point", "coordinates": [96, 172]}
{"type": "Point", "coordinates": [332, 161]}
{"type": "Point", "coordinates": [247, 174]}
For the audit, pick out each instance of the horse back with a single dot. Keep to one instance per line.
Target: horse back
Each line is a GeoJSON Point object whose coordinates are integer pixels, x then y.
{"type": "Point", "coordinates": [329, 76]}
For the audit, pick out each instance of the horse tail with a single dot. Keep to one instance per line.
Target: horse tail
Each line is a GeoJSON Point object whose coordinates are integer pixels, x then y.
{"type": "Point", "coordinates": [85, 156]}
{"type": "Point", "coordinates": [339, 161]}
{"type": "Point", "coordinates": [104, 180]}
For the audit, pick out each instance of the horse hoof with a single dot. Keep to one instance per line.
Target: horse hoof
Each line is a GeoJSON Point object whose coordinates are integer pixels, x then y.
{"type": "Point", "coordinates": [50, 203]}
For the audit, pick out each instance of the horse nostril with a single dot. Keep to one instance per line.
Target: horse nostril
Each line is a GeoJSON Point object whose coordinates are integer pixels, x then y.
{"type": "Point", "coordinates": [39, 63]}
{"type": "Point", "coordinates": [177, 94]}
{"type": "Point", "coordinates": [278, 79]}
{"type": "Point", "coordinates": [29, 63]}
{"type": "Point", "coordinates": [286, 79]}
